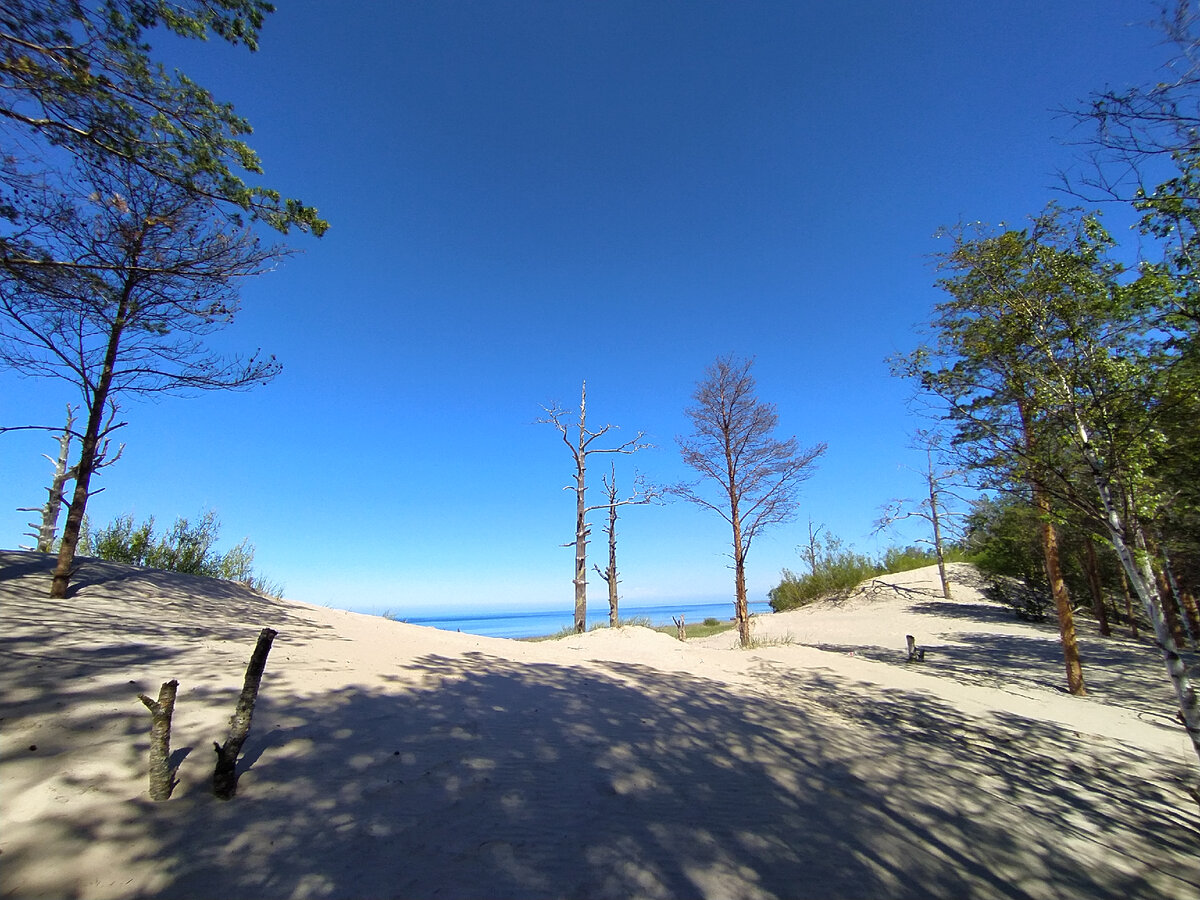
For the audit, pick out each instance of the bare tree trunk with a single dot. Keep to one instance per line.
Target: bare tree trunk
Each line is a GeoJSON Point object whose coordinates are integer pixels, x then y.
{"type": "Point", "coordinates": [1058, 588]}
{"type": "Point", "coordinates": [1133, 626]}
{"type": "Point", "coordinates": [741, 606]}
{"type": "Point", "coordinates": [1170, 609]}
{"type": "Point", "coordinates": [88, 453]}
{"type": "Point", "coordinates": [1176, 594]}
{"type": "Point", "coordinates": [48, 527]}
{"type": "Point", "coordinates": [1062, 600]}
{"type": "Point", "coordinates": [1190, 611]}
{"type": "Point", "coordinates": [162, 779]}
{"type": "Point", "coordinates": [609, 574]}
{"type": "Point", "coordinates": [934, 518]}
{"type": "Point", "coordinates": [1092, 570]}
{"type": "Point", "coordinates": [225, 774]}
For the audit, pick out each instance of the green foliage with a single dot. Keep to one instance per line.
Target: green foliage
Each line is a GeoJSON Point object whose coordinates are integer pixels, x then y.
{"type": "Point", "coordinates": [710, 622]}
{"type": "Point", "coordinates": [79, 77]}
{"type": "Point", "coordinates": [188, 547]}
{"type": "Point", "coordinates": [905, 559]}
{"type": "Point", "coordinates": [836, 569]}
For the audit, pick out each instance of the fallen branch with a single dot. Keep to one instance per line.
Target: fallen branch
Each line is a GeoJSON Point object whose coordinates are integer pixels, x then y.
{"type": "Point", "coordinates": [225, 774]}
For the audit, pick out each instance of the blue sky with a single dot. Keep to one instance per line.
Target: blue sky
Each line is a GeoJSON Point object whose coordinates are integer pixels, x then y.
{"type": "Point", "coordinates": [524, 195]}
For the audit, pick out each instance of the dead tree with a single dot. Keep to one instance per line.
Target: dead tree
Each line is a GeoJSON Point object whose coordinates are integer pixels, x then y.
{"type": "Point", "coordinates": [640, 496]}
{"type": "Point", "coordinates": [934, 508]}
{"type": "Point", "coordinates": [580, 441]}
{"type": "Point", "coordinates": [46, 530]}
{"type": "Point", "coordinates": [680, 627]}
{"type": "Point", "coordinates": [162, 777]}
{"type": "Point", "coordinates": [225, 774]}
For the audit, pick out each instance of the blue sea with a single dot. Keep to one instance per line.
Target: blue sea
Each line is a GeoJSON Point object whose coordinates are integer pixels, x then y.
{"type": "Point", "coordinates": [534, 624]}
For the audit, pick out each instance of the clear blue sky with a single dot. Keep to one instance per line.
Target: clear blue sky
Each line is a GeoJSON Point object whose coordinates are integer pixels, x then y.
{"type": "Point", "coordinates": [524, 195]}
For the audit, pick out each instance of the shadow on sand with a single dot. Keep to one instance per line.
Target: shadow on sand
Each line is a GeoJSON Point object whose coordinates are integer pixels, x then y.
{"type": "Point", "coordinates": [624, 781]}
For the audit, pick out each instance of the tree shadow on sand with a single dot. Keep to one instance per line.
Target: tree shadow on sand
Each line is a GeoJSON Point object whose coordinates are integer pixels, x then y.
{"type": "Point", "coordinates": [495, 778]}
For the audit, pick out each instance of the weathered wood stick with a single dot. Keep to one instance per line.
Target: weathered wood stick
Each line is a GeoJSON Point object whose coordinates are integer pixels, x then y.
{"type": "Point", "coordinates": [225, 774]}
{"type": "Point", "coordinates": [162, 779]}
{"type": "Point", "coordinates": [915, 653]}
{"type": "Point", "coordinates": [680, 627]}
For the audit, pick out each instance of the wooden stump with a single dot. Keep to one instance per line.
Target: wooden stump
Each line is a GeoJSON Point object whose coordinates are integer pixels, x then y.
{"type": "Point", "coordinates": [915, 653]}
{"type": "Point", "coordinates": [162, 779]}
{"type": "Point", "coordinates": [225, 774]}
{"type": "Point", "coordinates": [680, 628]}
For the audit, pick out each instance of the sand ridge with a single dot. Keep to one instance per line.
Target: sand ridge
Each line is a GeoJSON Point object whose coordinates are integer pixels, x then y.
{"type": "Point", "coordinates": [393, 760]}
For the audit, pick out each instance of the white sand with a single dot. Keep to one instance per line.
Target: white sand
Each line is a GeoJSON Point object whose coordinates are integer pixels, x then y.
{"type": "Point", "coordinates": [391, 760]}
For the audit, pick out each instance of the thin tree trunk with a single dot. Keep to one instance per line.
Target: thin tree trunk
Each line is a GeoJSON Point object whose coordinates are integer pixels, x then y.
{"type": "Point", "coordinates": [1170, 609]}
{"type": "Point", "coordinates": [225, 774]}
{"type": "Point", "coordinates": [741, 605]}
{"type": "Point", "coordinates": [1133, 626]}
{"type": "Point", "coordinates": [610, 574]}
{"type": "Point", "coordinates": [1092, 570]}
{"type": "Point", "coordinates": [938, 550]}
{"type": "Point", "coordinates": [1062, 600]}
{"type": "Point", "coordinates": [1176, 594]}
{"type": "Point", "coordinates": [1058, 588]}
{"type": "Point", "coordinates": [1190, 611]}
{"type": "Point", "coordinates": [162, 779]}
{"type": "Point", "coordinates": [581, 527]}
{"type": "Point", "coordinates": [87, 454]}
{"type": "Point", "coordinates": [1141, 576]}
{"type": "Point", "coordinates": [53, 505]}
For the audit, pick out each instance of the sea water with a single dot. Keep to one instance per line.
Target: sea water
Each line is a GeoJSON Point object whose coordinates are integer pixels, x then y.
{"type": "Point", "coordinates": [534, 624]}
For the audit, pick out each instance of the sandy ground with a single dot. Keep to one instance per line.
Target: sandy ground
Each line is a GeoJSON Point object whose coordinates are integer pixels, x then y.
{"type": "Point", "coordinates": [391, 760]}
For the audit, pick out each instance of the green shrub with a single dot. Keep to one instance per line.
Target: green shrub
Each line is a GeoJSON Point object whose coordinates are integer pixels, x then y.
{"type": "Point", "coordinates": [188, 548]}
{"type": "Point", "coordinates": [710, 622]}
{"type": "Point", "coordinates": [905, 559]}
{"type": "Point", "coordinates": [836, 570]}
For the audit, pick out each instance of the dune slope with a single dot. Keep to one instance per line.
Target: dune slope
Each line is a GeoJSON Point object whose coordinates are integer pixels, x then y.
{"type": "Point", "coordinates": [389, 760]}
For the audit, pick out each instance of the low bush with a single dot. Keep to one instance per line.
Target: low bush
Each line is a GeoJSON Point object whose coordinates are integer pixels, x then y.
{"type": "Point", "coordinates": [189, 548]}
{"type": "Point", "coordinates": [838, 569]}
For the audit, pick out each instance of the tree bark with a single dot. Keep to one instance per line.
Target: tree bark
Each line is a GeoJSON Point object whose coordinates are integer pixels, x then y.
{"type": "Point", "coordinates": [48, 527]}
{"type": "Point", "coordinates": [1062, 600]}
{"type": "Point", "coordinates": [1133, 626]}
{"type": "Point", "coordinates": [938, 550]}
{"type": "Point", "coordinates": [1169, 607]}
{"type": "Point", "coordinates": [1092, 570]}
{"type": "Point", "coordinates": [1190, 611]}
{"type": "Point", "coordinates": [162, 778]}
{"type": "Point", "coordinates": [1058, 588]}
{"type": "Point", "coordinates": [581, 525]}
{"type": "Point", "coordinates": [87, 454]}
{"type": "Point", "coordinates": [225, 774]}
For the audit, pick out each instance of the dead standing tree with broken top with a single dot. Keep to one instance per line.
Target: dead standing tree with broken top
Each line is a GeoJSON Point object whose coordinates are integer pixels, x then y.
{"type": "Point", "coordinates": [582, 444]}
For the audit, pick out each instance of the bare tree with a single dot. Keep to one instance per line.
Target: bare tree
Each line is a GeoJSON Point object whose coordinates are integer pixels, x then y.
{"type": "Point", "coordinates": [580, 441]}
{"type": "Point", "coordinates": [640, 495]}
{"type": "Point", "coordinates": [733, 445]}
{"type": "Point", "coordinates": [112, 286]}
{"type": "Point", "coordinates": [934, 508]}
{"type": "Point", "coordinates": [46, 530]}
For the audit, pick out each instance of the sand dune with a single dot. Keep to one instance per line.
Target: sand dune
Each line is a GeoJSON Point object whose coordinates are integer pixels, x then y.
{"type": "Point", "coordinates": [391, 760]}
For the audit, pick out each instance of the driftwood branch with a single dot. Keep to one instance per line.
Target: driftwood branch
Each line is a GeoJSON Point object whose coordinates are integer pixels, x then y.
{"type": "Point", "coordinates": [680, 627]}
{"type": "Point", "coordinates": [162, 778]}
{"type": "Point", "coordinates": [225, 774]}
